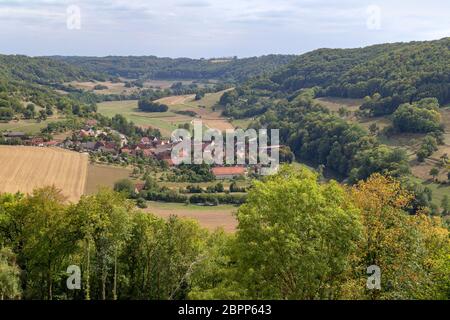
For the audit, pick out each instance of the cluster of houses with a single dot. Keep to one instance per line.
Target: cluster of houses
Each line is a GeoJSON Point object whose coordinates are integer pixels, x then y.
{"type": "Point", "coordinates": [101, 141]}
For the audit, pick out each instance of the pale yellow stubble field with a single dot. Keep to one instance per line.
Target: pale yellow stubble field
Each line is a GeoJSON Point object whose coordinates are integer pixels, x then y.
{"type": "Point", "coordinates": [27, 168]}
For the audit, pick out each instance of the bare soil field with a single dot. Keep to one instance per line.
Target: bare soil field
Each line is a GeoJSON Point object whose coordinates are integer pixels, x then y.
{"type": "Point", "coordinates": [103, 176]}
{"type": "Point", "coordinates": [27, 168]}
{"type": "Point", "coordinates": [208, 217]}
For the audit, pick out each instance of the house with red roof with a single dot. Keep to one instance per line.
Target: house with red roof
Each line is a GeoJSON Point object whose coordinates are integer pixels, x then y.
{"type": "Point", "coordinates": [227, 172]}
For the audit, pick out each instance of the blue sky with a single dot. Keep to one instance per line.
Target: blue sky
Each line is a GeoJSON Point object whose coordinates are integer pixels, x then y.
{"type": "Point", "coordinates": [210, 28]}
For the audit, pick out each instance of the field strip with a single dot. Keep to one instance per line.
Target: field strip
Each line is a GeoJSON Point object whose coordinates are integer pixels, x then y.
{"type": "Point", "coordinates": [27, 168]}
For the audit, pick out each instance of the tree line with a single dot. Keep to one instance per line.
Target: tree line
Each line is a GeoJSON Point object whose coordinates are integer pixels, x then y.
{"type": "Point", "coordinates": [297, 238]}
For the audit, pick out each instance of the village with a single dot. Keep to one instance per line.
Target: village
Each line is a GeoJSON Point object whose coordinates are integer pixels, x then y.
{"type": "Point", "coordinates": [104, 142]}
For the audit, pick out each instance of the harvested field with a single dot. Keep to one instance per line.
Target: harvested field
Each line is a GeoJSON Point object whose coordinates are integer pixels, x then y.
{"type": "Point", "coordinates": [26, 168]}
{"type": "Point", "coordinates": [208, 217]}
{"type": "Point", "coordinates": [104, 176]}
{"type": "Point", "coordinates": [174, 100]}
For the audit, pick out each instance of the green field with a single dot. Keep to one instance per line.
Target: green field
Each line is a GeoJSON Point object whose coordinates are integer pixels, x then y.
{"type": "Point", "coordinates": [242, 123]}
{"type": "Point", "coordinates": [188, 207]}
{"type": "Point", "coordinates": [168, 121]}
{"type": "Point", "coordinates": [439, 190]}
{"type": "Point", "coordinates": [27, 126]}
{"type": "Point", "coordinates": [226, 184]}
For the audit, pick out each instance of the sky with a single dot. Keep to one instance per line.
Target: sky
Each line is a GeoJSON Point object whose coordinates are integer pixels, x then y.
{"type": "Point", "coordinates": [213, 28]}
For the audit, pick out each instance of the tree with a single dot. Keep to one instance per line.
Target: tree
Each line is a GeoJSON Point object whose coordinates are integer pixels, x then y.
{"type": "Point", "coordinates": [373, 128]}
{"type": "Point", "coordinates": [212, 277]}
{"type": "Point", "coordinates": [295, 238]}
{"type": "Point", "coordinates": [160, 257]}
{"type": "Point", "coordinates": [9, 275]}
{"type": "Point", "coordinates": [445, 205]}
{"type": "Point", "coordinates": [49, 110]}
{"type": "Point", "coordinates": [199, 95]}
{"type": "Point", "coordinates": [444, 159]}
{"type": "Point", "coordinates": [42, 115]}
{"type": "Point", "coordinates": [422, 155]}
{"type": "Point", "coordinates": [30, 111]}
{"type": "Point", "coordinates": [104, 220]}
{"type": "Point", "coordinates": [422, 116]}
{"type": "Point", "coordinates": [219, 187]}
{"type": "Point", "coordinates": [125, 185]}
{"type": "Point", "coordinates": [141, 203]}
{"type": "Point", "coordinates": [434, 172]}
{"type": "Point", "coordinates": [428, 146]}
{"type": "Point", "coordinates": [6, 114]}
{"type": "Point", "coordinates": [150, 106]}
{"type": "Point", "coordinates": [44, 237]}
{"type": "Point", "coordinates": [401, 245]}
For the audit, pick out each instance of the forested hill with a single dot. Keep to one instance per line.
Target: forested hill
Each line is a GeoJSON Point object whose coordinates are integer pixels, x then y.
{"type": "Point", "coordinates": [399, 72]}
{"type": "Point", "coordinates": [41, 70]}
{"type": "Point", "coordinates": [26, 82]}
{"type": "Point", "coordinates": [151, 67]}
{"type": "Point", "coordinates": [386, 76]}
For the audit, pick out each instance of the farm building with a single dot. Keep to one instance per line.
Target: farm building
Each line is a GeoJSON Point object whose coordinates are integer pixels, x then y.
{"type": "Point", "coordinates": [227, 172]}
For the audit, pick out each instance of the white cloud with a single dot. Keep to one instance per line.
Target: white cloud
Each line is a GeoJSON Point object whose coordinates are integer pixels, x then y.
{"type": "Point", "coordinates": [213, 27]}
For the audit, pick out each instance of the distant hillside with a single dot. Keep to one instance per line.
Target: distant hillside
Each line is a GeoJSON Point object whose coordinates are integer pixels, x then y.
{"type": "Point", "coordinates": [386, 76]}
{"type": "Point", "coordinates": [25, 80]}
{"type": "Point", "coordinates": [41, 70]}
{"type": "Point", "coordinates": [151, 67]}
{"type": "Point", "coordinates": [399, 72]}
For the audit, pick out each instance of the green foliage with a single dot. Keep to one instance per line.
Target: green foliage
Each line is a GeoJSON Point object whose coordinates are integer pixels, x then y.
{"type": "Point", "coordinates": [297, 239]}
{"type": "Point", "coordinates": [191, 173]}
{"type": "Point", "coordinates": [151, 67]}
{"type": "Point", "coordinates": [412, 251]}
{"type": "Point", "coordinates": [125, 185]}
{"type": "Point", "coordinates": [141, 203]}
{"type": "Point", "coordinates": [422, 116]}
{"type": "Point", "coordinates": [160, 257]}
{"type": "Point", "coordinates": [445, 204]}
{"type": "Point", "coordinates": [9, 275]}
{"type": "Point", "coordinates": [199, 95]}
{"type": "Point", "coordinates": [288, 244]}
{"type": "Point", "coordinates": [315, 135]}
{"type": "Point", "coordinates": [150, 106]}
{"type": "Point", "coordinates": [428, 147]}
{"type": "Point", "coordinates": [399, 73]}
